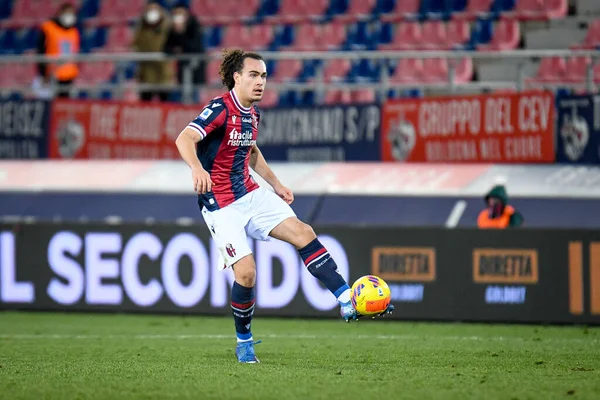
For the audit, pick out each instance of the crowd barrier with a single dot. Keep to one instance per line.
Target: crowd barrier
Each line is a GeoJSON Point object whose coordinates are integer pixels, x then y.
{"type": "Point", "coordinates": [537, 276]}
{"type": "Point", "coordinates": [525, 127]}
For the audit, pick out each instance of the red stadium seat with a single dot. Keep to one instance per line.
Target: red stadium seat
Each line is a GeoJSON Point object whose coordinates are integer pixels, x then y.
{"type": "Point", "coordinates": [236, 35]}
{"type": "Point", "coordinates": [337, 96]}
{"type": "Point", "coordinates": [405, 9]}
{"type": "Point", "coordinates": [119, 38]}
{"type": "Point", "coordinates": [206, 95]}
{"type": "Point", "coordinates": [551, 69]}
{"type": "Point", "coordinates": [260, 37]}
{"type": "Point", "coordinates": [408, 70]}
{"type": "Point", "coordinates": [336, 70]}
{"type": "Point", "coordinates": [538, 9]}
{"type": "Point", "coordinates": [316, 9]}
{"type": "Point", "coordinates": [357, 10]}
{"type": "Point", "coordinates": [407, 36]}
{"type": "Point", "coordinates": [92, 73]}
{"type": "Point", "coordinates": [506, 36]}
{"type": "Point", "coordinates": [576, 69]}
{"type": "Point", "coordinates": [286, 71]}
{"type": "Point", "coordinates": [306, 38]}
{"type": "Point", "coordinates": [435, 70]}
{"type": "Point", "coordinates": [212, 72]}
{"type": "Point", "coordinates": [333, 36]}
{"type": "Point", "coordinates": [363, 96]}
{"type": "Point", "coordinates": [464, 70]}
{"type": "Point", "coordinates": [458, 33]}
{"type": "Point", "coordinates": [475, 9]}
{"type": "Point", "coordinates": [290, 12]}
{"type": "Point", "coordinates": [270, 99]}
{"type": "Point", "coordinates": [592, 37]}
{"type": "Point", "coordinates": [434, 35]}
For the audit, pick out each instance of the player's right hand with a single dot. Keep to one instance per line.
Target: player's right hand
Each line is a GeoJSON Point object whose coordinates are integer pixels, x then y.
{"type": "Point", "coordinates": [201, 180]}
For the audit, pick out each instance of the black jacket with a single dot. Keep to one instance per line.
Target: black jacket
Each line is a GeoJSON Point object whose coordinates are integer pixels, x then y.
{"type": "Point", "coordinates": [188, 42]}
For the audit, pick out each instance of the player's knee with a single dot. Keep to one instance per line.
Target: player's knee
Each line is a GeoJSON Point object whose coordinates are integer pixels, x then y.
{"type": "Point", "coordinates": [245, 272]}
{"type": "Point", "coordinates": [307, 233]}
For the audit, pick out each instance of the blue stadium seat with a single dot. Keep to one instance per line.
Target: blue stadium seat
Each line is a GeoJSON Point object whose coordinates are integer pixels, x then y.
{"type": "Point", "coordinates": [5, 8]}
{"type": "Point", "coordinates": [359, 37]}
{"type": "Point", "coordinates": [457, 5]}
{"type": "Point", "coordinates": [89, 8]}
{"type": "Point", "coordinates": [285, 35]}
{"type": "Point", "coordinates": [500, 6]}
{"type": "Point", "coordinates": [268, 7]}
{"type": "Point", "coordinates": [27, 39]}
{"type": "Point", "coordinates": [385, 33]}
{"type": "Point", "coordinates": [435, 9]}
{"type": "Point", "coordinates": [481, 33]}
{"type": "Point", "coordinates": [212, 36]}
{"type": "Point", "coordinates": [365, 71]}
{"type": "Point", "coordinates": [8, 42]}
{"type": "Point", "coordinates": [385, 6]}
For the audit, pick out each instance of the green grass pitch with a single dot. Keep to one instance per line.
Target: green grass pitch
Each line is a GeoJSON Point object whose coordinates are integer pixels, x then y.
{"type": "Point", "coordinates": [100, 356]}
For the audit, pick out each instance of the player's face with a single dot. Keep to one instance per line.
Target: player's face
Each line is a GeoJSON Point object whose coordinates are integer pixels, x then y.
{"type": "Point", "coordinates": [252, 81]}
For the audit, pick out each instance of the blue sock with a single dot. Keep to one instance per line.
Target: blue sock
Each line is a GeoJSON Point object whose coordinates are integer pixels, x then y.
{"type": "Point", "coordinates": [321, 265]}
{"type": "Point", "coordinates": [242, 307]}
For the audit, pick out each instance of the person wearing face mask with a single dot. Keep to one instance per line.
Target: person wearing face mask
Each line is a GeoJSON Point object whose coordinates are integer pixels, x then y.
{"type": "Point", "coordinates": [150, 36]}
{"type": "Point", "coordinates": [59, 37]}
{"type": "Point", "coordinates": [185, 37]}
{"type": "Point", "coordinates": [498, 214]}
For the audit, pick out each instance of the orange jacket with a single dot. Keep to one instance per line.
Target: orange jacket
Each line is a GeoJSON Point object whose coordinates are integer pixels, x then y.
{"type": "Point", "coordinates": [485, 222]}
{"type": "Point", "coordinates": [61, 42]}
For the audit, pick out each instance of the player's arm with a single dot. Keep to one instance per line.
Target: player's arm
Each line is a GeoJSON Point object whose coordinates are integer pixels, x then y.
{"type": "Point", "coordinates": [259, 164]}
{"type": "Point", "coordinates": [210, 119]}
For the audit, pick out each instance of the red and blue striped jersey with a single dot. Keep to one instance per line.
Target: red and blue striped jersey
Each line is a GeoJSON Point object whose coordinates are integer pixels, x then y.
{"type": "Point", "coordinates": [228, 132]}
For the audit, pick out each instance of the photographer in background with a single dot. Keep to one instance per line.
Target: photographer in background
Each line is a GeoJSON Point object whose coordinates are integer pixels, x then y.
{"type": "Point", "coordinates": [185, 37]}
{"type": "Point", "coordinates": [59, 37]}
{"type": "Point", "coordinates": [498, 214]}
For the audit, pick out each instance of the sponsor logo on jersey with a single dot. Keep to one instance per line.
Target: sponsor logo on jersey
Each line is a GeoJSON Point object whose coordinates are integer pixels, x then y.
{"type": "Point", "coordinates": [240, 139]}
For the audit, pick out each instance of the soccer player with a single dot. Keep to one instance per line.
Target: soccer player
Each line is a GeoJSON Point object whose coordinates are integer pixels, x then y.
{"type": "Point", "coordinates": [219, 146]}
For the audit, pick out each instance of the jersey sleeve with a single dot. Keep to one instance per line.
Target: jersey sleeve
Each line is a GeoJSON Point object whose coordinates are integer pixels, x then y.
{"type": "Point", "coordinates": [210, 119]}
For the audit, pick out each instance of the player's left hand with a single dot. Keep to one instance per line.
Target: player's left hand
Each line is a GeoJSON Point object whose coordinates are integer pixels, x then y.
{"type": "Point", "coordinates": [285, 193]}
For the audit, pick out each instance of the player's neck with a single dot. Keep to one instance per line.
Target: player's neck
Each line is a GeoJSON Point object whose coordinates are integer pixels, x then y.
{"type": "Point", "coordinates": [244, 103]}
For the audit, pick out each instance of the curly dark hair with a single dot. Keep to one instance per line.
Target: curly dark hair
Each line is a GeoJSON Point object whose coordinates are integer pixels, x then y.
{"type": "Point", "coordinates": [233, 61]}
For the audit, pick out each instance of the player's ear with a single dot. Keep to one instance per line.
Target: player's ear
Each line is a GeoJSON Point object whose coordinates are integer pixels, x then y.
{"type": "Point", "coordinates": [237, 77]}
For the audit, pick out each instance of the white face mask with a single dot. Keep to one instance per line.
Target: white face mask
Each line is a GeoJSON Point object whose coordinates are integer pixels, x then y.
{"type": "Point", "coordinates": [179, 19]}
{"type": "Point", "coordinates": [67, 19]}
{"type": "Point", "coordinates": [152, 16]}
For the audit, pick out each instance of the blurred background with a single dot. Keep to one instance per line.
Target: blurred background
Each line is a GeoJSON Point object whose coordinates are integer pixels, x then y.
{"type": "Point", "coordinates": [379, 114]}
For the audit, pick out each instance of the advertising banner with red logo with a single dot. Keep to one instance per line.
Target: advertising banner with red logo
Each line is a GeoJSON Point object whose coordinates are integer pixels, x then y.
{"type": "Point", "coordinates": [500, 128]}
{"type": "Point", "coordinates": [84, 129]}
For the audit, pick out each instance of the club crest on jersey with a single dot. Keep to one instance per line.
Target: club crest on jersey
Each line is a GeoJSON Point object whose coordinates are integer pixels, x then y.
{"type": "Point", "coordinates": [240, 139]}
{"type": "Point", "coordinates": [205, 114]}
{"type": "Point", "coordinates": [255, 120]}
{"type": "Point", "coordinates": [230, 250]}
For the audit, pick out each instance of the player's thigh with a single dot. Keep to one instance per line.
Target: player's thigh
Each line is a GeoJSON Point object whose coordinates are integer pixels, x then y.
{"type": "Point", "coordinates": [227, 228]}
{"type": "Point", "coordinates": [268, 211]}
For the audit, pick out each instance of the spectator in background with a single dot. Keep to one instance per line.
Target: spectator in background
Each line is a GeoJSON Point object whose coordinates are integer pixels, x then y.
{"type": "Point", "coordinates": [185, 37]}
{"type": "Point", "coordinates": [59, 37]}
{"type": "Point", "coordinates": [150, 36]}
{"type": "Point", "coordinates": [498, 214]}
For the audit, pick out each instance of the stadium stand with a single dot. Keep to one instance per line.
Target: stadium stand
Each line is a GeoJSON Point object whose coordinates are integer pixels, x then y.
{"type": "Point", "coordinates": [340, 25]}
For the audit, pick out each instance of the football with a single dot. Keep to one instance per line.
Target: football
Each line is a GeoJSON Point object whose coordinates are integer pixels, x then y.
{"type": "Point", "coordinates": [370, 295]}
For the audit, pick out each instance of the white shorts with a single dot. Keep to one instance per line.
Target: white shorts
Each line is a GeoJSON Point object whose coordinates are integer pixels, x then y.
{"type": "Point", "coordinates": [254, 215]}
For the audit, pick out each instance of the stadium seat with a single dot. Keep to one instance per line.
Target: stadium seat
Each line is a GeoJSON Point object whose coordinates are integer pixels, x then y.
{"type": "Point", "coordinates": [212, 72]}
{"type": "Point", "coordinates": [403, 10]}
{"type": "Point", "coordinates": [538, 10]}
{"type": "Point", "coordinates": [551, 69]}
{"type": "Point", "coordinates": [458, 34]}
{"type": "Point", "coordinates": [435, 70]}
{"type": "Point", "coordinates": [206, 95]}
{"type": "Point", "coordinates": [464, 70]}
{"type": "Point", "coordinates": [407, 36]}
{"type": "Point", "coordinates": [475, 9]}
{"type": "Point", "coordinates": [337, 96]}
{"type": "Point", "coordinates": [359, 36]}
{"type": "Point", "coordinates": [363, 96]}
{"type": "Point", "coordinates": [270, 99]}
{"type": "Point", "coordinates": [236, 35]}
{"type": "Point", "coordinates": [93, 73]}
{"type": "Point", "coordinates": [434, 35]}
{"type": "Point", "coordinates": [358, 10]}
{"type": "Point", "coordinates": [408, 70]}
{"type": "Point", "coordinates": [306, 37]}
{"type": "Point", "coordinates": [592, 37]}
{"type": "Point", "coordinates": [290, 12]}
{"type": "Point", "coordinates": [506, 36]}
{"type": "Point", "coordinates": [119, 38]}
{"type": "Point", "coordinates": [261, 37]}
{"type": "Point", "coordinates": [336, 70]}
{"type": "Point", "coordinates": [332, 37]}
{"type": "Point", "coordinates": [286, 71]}
{"type": "Point", "coordinates": [576, 68]}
